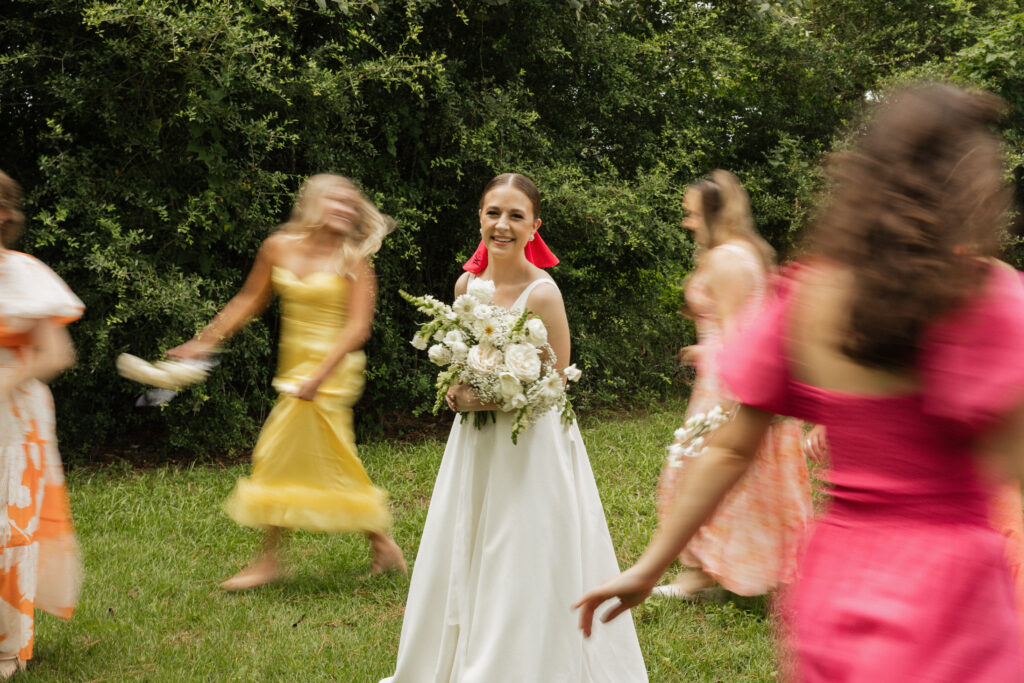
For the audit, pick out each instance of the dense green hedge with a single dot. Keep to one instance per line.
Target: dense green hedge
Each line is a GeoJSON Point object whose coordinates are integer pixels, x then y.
{"type": "Point", "coordinates": [160, 141]}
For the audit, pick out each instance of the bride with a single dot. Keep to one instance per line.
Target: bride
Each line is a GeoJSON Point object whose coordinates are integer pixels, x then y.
{"type": "Point", "coordinates": [514, 532]}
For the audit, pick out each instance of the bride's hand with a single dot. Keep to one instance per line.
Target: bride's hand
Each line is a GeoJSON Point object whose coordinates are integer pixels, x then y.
{"type": "Point", "coordinates": [460, 397]}
{"type": "Point", "coordinates": [631, 587]}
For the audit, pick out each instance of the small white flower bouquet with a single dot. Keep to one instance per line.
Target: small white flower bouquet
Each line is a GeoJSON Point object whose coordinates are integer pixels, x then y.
{"type": "Point", "coordinates": [503, 355]}
{"type": "Point", "coordinates": [691, 438]}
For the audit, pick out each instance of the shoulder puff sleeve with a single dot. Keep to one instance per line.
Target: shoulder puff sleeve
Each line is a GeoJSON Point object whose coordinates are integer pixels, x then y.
{"type": "Point", "coordinates": [753, 364]}
{"type": "Point", "coordinates": [972, 363]}
{"type": "Point", "coordinates": [29, 290]}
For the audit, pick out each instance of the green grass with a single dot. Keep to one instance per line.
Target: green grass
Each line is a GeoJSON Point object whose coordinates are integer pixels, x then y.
{"type": "Point", "coordinates": [156, 544]}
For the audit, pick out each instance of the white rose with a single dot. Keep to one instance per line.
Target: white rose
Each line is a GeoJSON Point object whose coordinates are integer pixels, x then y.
{"type": "Point", "coordinates": [463, 306]}
{"type": "Point", "coordinates": [523, 362]}
{"type": "Point", "coordinates": [459, 351]}
{"type": "Point", "coordinates": [572, 373]}
{"type": "Point", "coordinates": [482, 312]}
{"type": "Point", "coordinates": [440, 354]}
{"type": "Point", "coordinates": [453, 337]}
{"type": "Point", "coordinates": [419, 342]}
{"type": "Point", "coordinates": [481, 290]}
{"type": "Point", "coordinates": [483, 359]}
{"type": "Point", "coordinates": [536, 333]}
{"type": "Point", "coordinates": [509, 386]}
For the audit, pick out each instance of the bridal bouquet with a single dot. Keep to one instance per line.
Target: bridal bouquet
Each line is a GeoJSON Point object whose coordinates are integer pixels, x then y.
{"type": "Point", "coordinates": [503, 355]}
{"type": "Point", "coordinates": [692, 436]}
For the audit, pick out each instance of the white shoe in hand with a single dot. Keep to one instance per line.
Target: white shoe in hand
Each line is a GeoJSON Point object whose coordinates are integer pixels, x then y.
{"type": "Point", "coordinates": [165, 374]}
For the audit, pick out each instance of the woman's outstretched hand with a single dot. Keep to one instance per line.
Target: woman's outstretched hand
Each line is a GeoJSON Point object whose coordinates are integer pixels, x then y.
{"type": "Point", "coordinates": [193, 349]}
{"type": "Point", "coordinates": [631, 587]}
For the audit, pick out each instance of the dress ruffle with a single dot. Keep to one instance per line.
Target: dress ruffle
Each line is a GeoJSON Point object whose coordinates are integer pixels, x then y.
{"type": "Point", "coordinates": [32, 291]}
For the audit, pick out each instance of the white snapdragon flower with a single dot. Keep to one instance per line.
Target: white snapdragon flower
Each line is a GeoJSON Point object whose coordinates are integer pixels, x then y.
{"type": "Point", "coordinates": [676, 451]}
{"type": "Point", "coordinates": [481, 290]}
{"type": "Point", "coordinates": [419, 343]}
{"type": "Point", "coordinates": [680, 434]}
{"type": "Point", "coordinates": [483, 359]}
{"type": "Point", "coordinates": [572, 373]}
{"type": "Point", "coordinates": [523, 361]}
{"type": "Point", "coordinates": [439, 335]}
{"type": "Point", "coordinates": [536, 332]}
{"type": "Point", "coordinates": [453, 337]}
{"type": "Point", "coordinates": [459, 351]}
{"type": "Point", "coordinates": [440, 354]}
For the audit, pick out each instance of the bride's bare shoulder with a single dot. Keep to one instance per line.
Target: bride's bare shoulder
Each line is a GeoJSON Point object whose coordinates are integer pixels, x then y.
{"type": "Point", "coordinates": [462, 283]}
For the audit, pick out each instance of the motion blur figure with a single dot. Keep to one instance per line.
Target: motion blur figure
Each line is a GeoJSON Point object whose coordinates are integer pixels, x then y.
{"type": "Point", "coordinates": [907, 350]}
{"type": "Point", "coordinates": [39, 559]}
{"type": "Point", "coordinates": [750, 544]}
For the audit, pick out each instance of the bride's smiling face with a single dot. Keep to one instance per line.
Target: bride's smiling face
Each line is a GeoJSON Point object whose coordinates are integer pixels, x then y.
{"type": "Point", "coordinates": [506, 220]}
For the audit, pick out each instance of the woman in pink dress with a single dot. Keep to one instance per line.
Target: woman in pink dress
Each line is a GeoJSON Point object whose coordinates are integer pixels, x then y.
{"type": "Point", "coordinates": [750, 544]}
{"type": "Point", "coordinates": [39, 560]}
{"type": "Point", "coordinates": [908, 351]}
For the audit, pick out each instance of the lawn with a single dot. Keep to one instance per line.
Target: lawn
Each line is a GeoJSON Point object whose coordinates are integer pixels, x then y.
{"type": "Point", "coordinates": [155, 545]}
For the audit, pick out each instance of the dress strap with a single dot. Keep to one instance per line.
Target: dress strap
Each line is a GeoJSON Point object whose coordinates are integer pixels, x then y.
{"type": "Point", "coordinates": [520, 302]}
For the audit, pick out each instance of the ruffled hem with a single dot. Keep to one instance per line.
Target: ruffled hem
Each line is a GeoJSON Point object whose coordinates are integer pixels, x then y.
{"type": "Point", "coordinates": [298, 507]}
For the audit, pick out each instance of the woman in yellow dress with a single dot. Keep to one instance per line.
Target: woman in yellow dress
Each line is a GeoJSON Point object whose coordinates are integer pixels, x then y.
{"type": "Point", "coordinates": [306, 473]}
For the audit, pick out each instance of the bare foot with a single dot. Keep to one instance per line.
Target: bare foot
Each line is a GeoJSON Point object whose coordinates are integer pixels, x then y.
{"type": "Point", "coordinates": [387, 556]}
{"type": "Point", "coordinates": [259, 573]}
{"type": "Point", "coordinates": [9, 666]}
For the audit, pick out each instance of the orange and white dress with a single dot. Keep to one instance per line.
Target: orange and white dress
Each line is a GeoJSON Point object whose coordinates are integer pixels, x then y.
{"type": "Point", "coordinates": [751, 542]}
{"type": "Point", "coordinates": [39, 560]}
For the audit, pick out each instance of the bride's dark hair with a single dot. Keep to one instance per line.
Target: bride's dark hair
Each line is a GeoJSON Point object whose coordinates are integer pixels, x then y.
{"type": "Point", "coordinates": [520, 182]}
{"type": "Point", "coordinates": [915, 203]}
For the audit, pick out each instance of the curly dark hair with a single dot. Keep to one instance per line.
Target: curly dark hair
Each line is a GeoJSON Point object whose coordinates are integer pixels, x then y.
{"type": "Point", "coordinates": [915, 204]}
{"type": "Point", "coordinates": [10, 203]}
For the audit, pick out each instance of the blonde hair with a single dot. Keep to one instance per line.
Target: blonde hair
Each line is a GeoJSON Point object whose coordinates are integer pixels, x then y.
{"type": "Point", "coordinates": [726, 208]}
{"type": "Point", "coordinates": [10, 201]}
{"type": "Point", "coordinates": [369, 232]}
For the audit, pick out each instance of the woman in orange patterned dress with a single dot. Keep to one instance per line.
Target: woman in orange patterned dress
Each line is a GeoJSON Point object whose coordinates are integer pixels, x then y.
{"type": "Point", "coordinates": [749, 546]}
{"type": "Point", "coordinates": [39, 561]}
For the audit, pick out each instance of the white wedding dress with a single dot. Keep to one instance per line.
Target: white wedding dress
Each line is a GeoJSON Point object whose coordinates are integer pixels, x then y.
{"type": "Point", "coordinates": [514, 535]}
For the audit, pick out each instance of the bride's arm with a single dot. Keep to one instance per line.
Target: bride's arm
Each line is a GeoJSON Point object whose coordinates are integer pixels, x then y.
{"type": "Point", "coordinates": [546, 303]}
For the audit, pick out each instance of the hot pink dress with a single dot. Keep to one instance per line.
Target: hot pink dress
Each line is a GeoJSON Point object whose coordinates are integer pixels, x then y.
{"type": "Point", "coordinates": [903, 578]}
{"type": "Point", "coordinates": [750, 544]}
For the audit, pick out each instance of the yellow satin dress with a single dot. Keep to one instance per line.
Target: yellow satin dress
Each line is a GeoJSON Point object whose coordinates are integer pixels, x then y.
{"type": "Point", "coordinates": [306, 473]}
